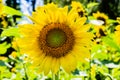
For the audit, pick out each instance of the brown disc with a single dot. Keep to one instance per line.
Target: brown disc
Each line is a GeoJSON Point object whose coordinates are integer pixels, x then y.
{"type": "Point", "coordinates": [56, 39]}
{"type": "Point", "coordinates": [101, 18]}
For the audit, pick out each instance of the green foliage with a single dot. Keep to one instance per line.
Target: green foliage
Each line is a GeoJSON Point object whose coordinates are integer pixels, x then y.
{"type": "Point", "coordinates": [99, 52]}
{"type": "Point", "coordinates": [92, 4]}
{"type": "Point", "coordinates": [12, 31]}
{"type": "Point", "coordinates": [3, 47]}
{"type": "Point", "coordinates": [116, 72]}
{"type": "Point", "coordinates": [110, 42]}
{"type": "Point", "coordinates": [12, 11]}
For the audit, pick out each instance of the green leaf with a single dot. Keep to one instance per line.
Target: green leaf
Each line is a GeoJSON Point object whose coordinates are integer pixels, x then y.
{"type": "Point", "coordinates": [12, 11]}
{"type": "Point", "coordinates": [95, 48]}
{"type": "Point", "coordinates": [3, 47]}
{"type": "Point", "coordinates": [2, 63]}
{"type": "Point", "coordinates": [91, 18]}
{"type": "Point", "coordinates": [116, 73]}
{"type": "Point", "coordinates": [92, 4]}
{"type": "Point", "coordinates": [110, 42]}
{"type": "Point", "coordinates": [112, 21]}
{"type": "Point", "coordinates": [98, 51]}
{"type": "Point", "coordinates": [12, 31]}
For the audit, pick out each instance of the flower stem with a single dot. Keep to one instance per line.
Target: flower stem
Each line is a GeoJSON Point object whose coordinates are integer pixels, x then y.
{"type": "Point", "coordinates": [26, 76]}
{"type": "Point", "coordinates": [56, 76]}
{"type": "Point", "coordinates": [0, 76]}
{"type": "Point", "coordinates": [90, 67]}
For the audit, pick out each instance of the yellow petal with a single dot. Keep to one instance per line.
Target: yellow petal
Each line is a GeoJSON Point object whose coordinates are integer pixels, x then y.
{"type": "Point", "coordinates": [47, 65]}
{"type": "Point", "coordinates": [55, 66]}
{"type": "Point", "coordinates": [68, 63]}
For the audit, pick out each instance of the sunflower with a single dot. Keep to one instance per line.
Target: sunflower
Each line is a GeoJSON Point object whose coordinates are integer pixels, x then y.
{"type": "Point", "coordinates": [13, 54]}
{"type": "Point", "coordinates": [100, 23]}
{"type": "Point", "coordinates": [57, 39]}
{"type": "Point", "coordinates": [3, 58]}
{"type": "Point", "coordinates": [117, 34]}
{"type": "Point", "coordinates": [1, 7]}
{"type": "Point", "coordinates": [79, 8]}
{"type": "Point", "coordinates": [101, 16]}
{"type": "Point", "coordinates": [100, 30]}
{"type": "Point", "coordinates": [2, 15]}
{"type": "Point", "coordinates": [118, 20]}
{"type": "Point", "coordinates": [4, 22]}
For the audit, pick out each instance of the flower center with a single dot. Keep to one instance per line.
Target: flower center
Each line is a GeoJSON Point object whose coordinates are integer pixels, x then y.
{"type": "Point", "coordinates": [81, 13]}
{"type": "Point", "coordinates": [101, 18]}
{"type": "Point", "coordinates": [56, 40]}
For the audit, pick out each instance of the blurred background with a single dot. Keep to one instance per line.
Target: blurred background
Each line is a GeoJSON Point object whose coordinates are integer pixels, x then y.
{"type": "Point", "coordinates": [105, 53]}
{"type": "Point", "coordinates": [110, 7]}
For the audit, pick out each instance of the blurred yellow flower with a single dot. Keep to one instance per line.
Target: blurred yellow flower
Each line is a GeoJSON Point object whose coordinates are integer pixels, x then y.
{"type": "Point", "coordinates": [1, 7]}
{"type": "Point", "coordinates": [3, 58]}
{"type": "Point", "coordinates": [15, 45]}
{"type": "Point", "coordinates": [2, 15]}
{"type": "Point", "coordinates": [13, 54]}
{"type": "Point", "coordinates": [117, 34]}
{"type": "Point", "coordinates": [78, 8]}
{"type": "Point", "coordinates": [101, 16]}
{"type": "Point", "coordinates": [13, 70]}
{"type": "Point", "coordinates": [118, 20]}
{"type": "Point", "coordinates": [100, 31]}
{"type": "Point", "coordinates": [4, 22]}
{"type": "Point", "coordinates": [100, 23]}
{"type": "Point", "coordinates": [57, 38]}
{"type": "Point", "coordinates": [93, 71]}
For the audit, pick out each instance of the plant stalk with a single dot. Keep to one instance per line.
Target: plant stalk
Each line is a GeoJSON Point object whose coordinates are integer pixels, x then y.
{"type": "Point", "coordinates": [55, 76]}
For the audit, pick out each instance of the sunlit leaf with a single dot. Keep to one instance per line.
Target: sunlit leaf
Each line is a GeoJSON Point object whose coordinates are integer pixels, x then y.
{"type": "Point", "coordinates": [92, 4]}
{"type": "Point", "coordinates": [12, 31]}
{"type": "Point", "coordinates": [111, 21]}
{"type": "Point", "coordinates": [3, 47]}
{"type": "Point", "coordinates": [100, 56]}
{"type": "Point", "coordinates": [91, 18]}
{"type": "Point", "coordinates": [5, 74]}
{"type": "Point", "coordinates": [99, 52]}
{"type": "Point", "coordinates": [95, 48]}
{"type": "Point", "coordinates": [116, 57]}
{"type": "Point", "coordinates": [110, 42]}
{"type": "Point", "coordinates": [116, 73]}
{"type": "Point", "coordinates": [11, 11]}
